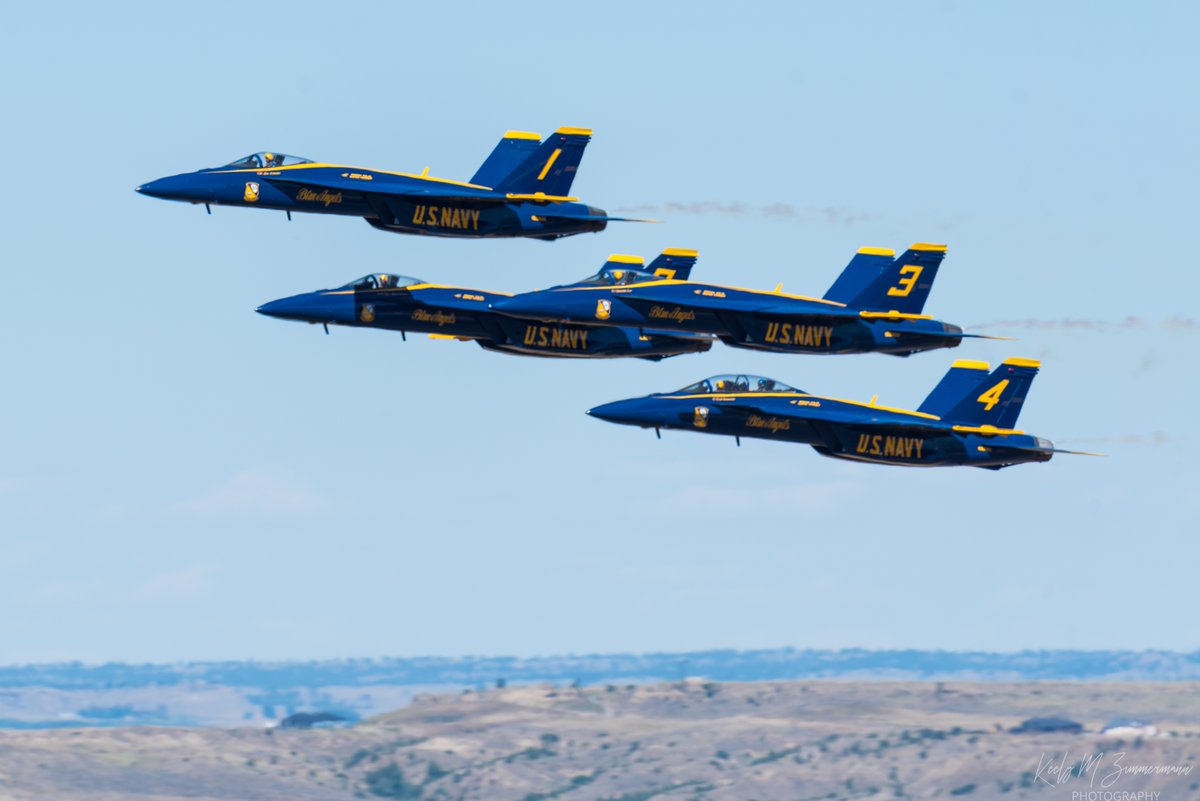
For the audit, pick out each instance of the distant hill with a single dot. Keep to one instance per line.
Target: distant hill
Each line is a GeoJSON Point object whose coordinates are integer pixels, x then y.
{"type": "Point", "coordinates": [677, 741]}
{"type": "Point", "coordinates": [258, 693]}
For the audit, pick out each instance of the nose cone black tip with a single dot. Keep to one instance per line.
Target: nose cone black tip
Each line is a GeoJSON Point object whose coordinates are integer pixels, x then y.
{"type": "Point", "coordinates": [615, 412]}
{"type": "Point", "coordinates": [160, 188]}
{"type": "Point", "coordinates": [314, 307]}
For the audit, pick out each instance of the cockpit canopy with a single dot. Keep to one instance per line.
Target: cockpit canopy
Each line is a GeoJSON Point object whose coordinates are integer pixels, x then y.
{"type": "Point", "coordinates": [381, 281]}
{"type": "Point", "coordinates": [730, 382]}
{"type": "Point", "coordinates": [611, 276]}
{"type": "Point", "coordinates": [265, 160]}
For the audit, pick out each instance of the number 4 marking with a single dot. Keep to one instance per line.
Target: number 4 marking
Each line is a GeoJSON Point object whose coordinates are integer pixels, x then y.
{"type": "Point", "coordinates": [992, 396]}
{"type": "Point", "coordinates": [909, 275]}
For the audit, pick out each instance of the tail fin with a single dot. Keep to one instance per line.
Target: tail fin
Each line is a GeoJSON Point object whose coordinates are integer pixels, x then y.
{"type": "Point", "coordinates": [999, 398]}
{"type": "Point", "coordinates": [963, 377]}
{"type": "Point", "coordinates": [674, 263]}
{"type": "Point", "coordinates": [550, 169]}
{"type": "Point", "coordinates": [903, 285]}
{"type": "Point", "coordinates": [513, 149]}
{"type": "Point", "coordinates": [866, 266]}
{"type": "Point", "coordinates": [623, 261]}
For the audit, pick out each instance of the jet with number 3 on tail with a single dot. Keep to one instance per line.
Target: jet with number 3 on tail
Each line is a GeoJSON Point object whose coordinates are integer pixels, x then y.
{"type": "Point", "coordinates": [968, 418]}
{"type": "Point", "coordinates": [875, 306]}
{"type": "Point", "coordinates": [398, 303]}
{"type": "Point", "coordinates": [521, 190]}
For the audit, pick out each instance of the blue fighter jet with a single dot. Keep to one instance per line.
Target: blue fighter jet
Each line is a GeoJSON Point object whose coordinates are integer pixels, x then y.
{"type": "Point", "coordinates": [874, 307]}
{"type": "Point", "coordinates": [521, 190]}
{"type": "Point", "coordinates": [399, 303]}
{"type": "Point", "coordinates": [968, 419]}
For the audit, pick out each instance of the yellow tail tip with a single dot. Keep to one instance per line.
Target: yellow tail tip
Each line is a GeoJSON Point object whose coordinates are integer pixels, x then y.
{"type": "Point", "coordinates": [625, 258]}
{"type": "Point", "coordinates": [927, 246]}
{"type": "Point", "coordinates": [971, 364]}
{"type": "Point", "coordinates": [1017, 361]}
{"type": "Point", "coordinates": [575, 131]}
{"type": "Point", "coordinates": [878, 251]}
{"type": "Point", "coordinates": [522, 135]}
{"type": "Point", "coordinates": [680, 252]}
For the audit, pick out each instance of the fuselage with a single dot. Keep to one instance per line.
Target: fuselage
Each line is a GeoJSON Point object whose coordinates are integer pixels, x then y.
{"type": "Point", "coordinates": [391, 201]}
{"type": "Point", "coordinates": [462, 313]}
{"type": "Point", "coordinates": [745, 318]}
{"type": "Point", "coordinates": [834, 427]}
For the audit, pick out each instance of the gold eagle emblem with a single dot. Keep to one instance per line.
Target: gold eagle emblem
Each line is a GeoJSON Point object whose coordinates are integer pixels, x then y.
{"type": "Point", "coordinates": [251, 193]}
{"type": "Point", "coordinates": [700, 420]}
{"type": "Point", "coordinates": [603, 309]}
{"type": "Point", "coordinates": [367, 315]}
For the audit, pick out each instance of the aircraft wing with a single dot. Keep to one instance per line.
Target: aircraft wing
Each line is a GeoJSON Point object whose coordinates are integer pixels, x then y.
{"type": "Point", "coordinates": [343, 183]}
{"type": "Point", "coordinates": [557, 214]}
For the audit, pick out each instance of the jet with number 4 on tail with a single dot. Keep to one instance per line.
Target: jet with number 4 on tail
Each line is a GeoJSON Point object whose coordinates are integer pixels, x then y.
{"type": "Point", "coordinates": [968, 418]}
{"type": "Point", "coordinates": [398, 303]}
{"type": "Point", "coordinates": [521, 190]}
{"type": "Point", "coordinates": [875, 306]}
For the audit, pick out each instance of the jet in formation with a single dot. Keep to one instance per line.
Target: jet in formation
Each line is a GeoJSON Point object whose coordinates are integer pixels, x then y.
{"type": "Point", "coordinates": [521, 190]}
{"type": "Point", "coordinates": [400, 303]}
{"type": "Point", "coordinates": [968, 418]}
{"type": "Point", "coordinates": [875, 306]}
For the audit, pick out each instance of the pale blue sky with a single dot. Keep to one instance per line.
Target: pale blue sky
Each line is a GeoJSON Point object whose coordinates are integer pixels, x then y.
{"type": "Point", "coordinates": [182, 478]}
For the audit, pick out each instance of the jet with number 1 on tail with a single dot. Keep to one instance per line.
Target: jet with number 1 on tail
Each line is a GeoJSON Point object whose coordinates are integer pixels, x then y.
{"type": "Point", "coordinates": [398, 303]}
{"type": "Point", "coordinates": [968, 419]}
{"type": "Point", "coordinates": [521, 190]}
{"type": "Point", "coordinates": [875, 306]}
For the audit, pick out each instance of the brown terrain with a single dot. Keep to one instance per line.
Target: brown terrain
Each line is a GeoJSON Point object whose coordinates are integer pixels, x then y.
{"type": "Point", "coordinates": [771, 741]}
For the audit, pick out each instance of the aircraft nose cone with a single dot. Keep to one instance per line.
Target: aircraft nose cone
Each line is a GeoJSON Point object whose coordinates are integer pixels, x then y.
{"type": "Point", "coordinates": [161, 188]}
{"type": "Point", "coordinates": [312, 307]}
{"type": "Point", "coordinates": [164, 188]}
{"type": "Point", "coordinates": [192, 187]}
{"type": "Point", "coordinates": [623, 411]}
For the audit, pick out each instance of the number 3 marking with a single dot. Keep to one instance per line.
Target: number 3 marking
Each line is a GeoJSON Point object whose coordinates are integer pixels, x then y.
{"type": "Point", "coordinates": [910, 273]}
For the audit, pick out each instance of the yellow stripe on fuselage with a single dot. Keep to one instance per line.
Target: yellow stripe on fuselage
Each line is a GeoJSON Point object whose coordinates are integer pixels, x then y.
{"type": "Point", "coordinates": [716, 396]}
{"type": "Point", "coordinates": [269, 171]}
{"type": "Point", "coordinates": [419, 287]}
{"type": "Point", "coordinates": [675, 282]}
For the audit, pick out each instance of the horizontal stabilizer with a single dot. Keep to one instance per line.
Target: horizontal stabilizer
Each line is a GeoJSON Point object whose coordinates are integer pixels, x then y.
{"type": "Point", "coordinates": [560, 215]}
{"type": "Point", "coordinates": [953, 335]}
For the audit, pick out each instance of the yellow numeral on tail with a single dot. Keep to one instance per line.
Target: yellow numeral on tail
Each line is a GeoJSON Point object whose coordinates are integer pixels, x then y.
{"type": "Point", "coordinates": [910, 273]}
{"type": "Point", "coordinates": [992, 396]}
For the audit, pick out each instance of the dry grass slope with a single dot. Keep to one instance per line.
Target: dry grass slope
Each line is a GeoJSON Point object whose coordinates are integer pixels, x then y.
{"type": "Point", "coordinates": [785, 741]}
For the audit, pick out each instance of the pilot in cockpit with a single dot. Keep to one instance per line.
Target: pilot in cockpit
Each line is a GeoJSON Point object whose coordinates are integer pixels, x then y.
{"type": "Point", "coordinates": [386, 281]}
{"type": "Point", "coordinates": [765, 385]}
{"type": "Point", "coordinates": [272, 160]}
